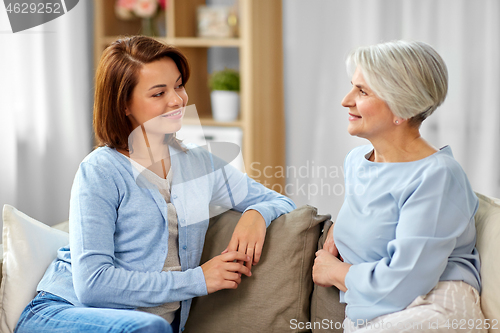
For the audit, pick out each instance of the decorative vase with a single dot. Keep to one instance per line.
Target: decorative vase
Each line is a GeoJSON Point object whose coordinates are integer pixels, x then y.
{"type": "Point", "coordinates": [225, 105]}
{"type": "Point", "coordinates": [149, 27]}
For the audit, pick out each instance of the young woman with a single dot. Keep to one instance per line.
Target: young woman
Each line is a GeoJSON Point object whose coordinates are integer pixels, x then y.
{"type": "Point", "coordinates": [139, 208]}
{"type": "Point", "coordinates": [402, 250]}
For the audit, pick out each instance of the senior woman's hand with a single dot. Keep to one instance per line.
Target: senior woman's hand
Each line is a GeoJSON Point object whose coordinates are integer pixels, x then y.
{"type": "Point", "coordinates": [329, 244]}
{"type": "Point", "coordinates": [248, 237]}
{"type": "Point", "coordinates": [329, 271]}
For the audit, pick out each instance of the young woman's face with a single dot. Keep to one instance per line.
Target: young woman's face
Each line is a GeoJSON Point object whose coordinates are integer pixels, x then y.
{"type": "Point", "coordinates": [159, 98]}
{"type": "Point", "coordinates": [369, 116]}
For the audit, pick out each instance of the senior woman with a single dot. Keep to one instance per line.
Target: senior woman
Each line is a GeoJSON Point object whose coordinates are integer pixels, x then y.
{"type": "Point", "coordinates": [402, 251]}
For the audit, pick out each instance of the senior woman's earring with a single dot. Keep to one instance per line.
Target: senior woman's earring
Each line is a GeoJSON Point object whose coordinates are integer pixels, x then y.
{"type": "Point", "coordinates": [397, 122]}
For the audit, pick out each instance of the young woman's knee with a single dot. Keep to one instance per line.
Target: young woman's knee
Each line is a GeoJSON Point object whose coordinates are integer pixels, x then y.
{"type": "Point", "coordinates": [152, 324]}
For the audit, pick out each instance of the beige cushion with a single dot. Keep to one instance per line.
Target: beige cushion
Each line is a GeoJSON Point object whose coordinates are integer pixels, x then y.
{"type": "Point", "coordinates": [327, 313]}
{"type": "Point", "coordinates": [488, 245]}
{"type": "Point", "coordinates": [280, 287]}
{"type": "Point", "coordinates": [29, 247]}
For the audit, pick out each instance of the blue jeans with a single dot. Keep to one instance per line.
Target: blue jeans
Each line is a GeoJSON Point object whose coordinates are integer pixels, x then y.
{"type": "Point", "coordinates": [50, 313]}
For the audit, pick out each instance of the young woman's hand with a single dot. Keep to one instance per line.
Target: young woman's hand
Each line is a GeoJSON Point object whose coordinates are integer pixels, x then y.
{"type": "Point", "coordinates": [330, 243]}
{"type": "Point", "coordinates": [248, 237]}
{"type": "Point", "coordinates": [222, 272]}
{"type": "Point", "coordinates": [329, 271]}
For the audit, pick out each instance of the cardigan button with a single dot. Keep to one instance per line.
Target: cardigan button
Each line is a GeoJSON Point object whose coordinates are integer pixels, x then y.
{"type": "Point", "coordinates": [184, 247]}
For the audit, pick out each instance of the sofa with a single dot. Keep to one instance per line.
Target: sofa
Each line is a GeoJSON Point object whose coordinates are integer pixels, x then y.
{"type": "Point", "coordinates": [280, 296]}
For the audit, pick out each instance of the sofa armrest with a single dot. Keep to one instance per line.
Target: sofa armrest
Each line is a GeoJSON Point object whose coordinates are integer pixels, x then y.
{"type": "Point", "coordinates": [280, 287]}
{"type": "Point", "coordinates": [488, 233]}
{"type": "Point", "coordinates": [1, 263]}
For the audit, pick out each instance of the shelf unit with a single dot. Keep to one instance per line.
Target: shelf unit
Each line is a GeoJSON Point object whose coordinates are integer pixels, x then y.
{"type": "Point", "coordinates": [261, 70]}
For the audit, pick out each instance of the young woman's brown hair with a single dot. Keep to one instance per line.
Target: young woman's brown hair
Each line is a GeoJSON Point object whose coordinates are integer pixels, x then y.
{"type": "Point", "coordinates": [116, 78]}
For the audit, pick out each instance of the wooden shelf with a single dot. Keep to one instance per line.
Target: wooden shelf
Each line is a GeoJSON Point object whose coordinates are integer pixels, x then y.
{"type": "Point", "coordinates": [205, 42]}
{"type": "Point", "coordinates": [261, 70]}
{"type": "Point", "coordinates": [212, 122]}
{"type": "Point", "coordinates": [106, 40]}
{"type": "Point", "coordinates": [188, 41]}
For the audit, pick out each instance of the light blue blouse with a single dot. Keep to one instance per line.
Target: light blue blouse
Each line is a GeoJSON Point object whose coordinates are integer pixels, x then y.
{"type": "Point", "coordinates": [119, 229]}
{"type": "Point", "coordinates": [404, 227]}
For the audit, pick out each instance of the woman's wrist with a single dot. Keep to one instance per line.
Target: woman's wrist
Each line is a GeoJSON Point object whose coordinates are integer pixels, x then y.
{"type": "Point", "coordinates": [339, 272]}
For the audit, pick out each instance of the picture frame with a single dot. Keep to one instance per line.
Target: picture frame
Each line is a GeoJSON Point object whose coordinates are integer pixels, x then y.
{"type": "Point", "coordinates": [216, 21]}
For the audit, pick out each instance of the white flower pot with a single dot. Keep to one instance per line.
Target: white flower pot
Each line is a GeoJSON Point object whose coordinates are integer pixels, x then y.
{"type": "Point", "coordinates": [225, 105]}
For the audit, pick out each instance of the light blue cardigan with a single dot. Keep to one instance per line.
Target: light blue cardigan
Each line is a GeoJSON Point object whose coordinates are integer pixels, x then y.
{"type": "Point", "coordinates": [119, 229]}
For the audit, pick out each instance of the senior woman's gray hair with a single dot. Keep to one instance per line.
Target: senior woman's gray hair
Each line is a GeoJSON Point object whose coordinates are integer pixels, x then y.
{"type": "Point", "coordinates": [411, 77]}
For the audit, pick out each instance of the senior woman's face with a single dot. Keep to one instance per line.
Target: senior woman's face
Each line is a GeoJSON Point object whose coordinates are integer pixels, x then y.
{"type": "Point", "coordinates": [369, 116]}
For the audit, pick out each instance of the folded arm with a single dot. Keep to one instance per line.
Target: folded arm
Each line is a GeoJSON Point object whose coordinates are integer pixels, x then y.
{"type": "Point", "coordinates": [259, 205]}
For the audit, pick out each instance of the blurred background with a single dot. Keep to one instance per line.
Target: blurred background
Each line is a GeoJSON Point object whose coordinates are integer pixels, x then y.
{"type": "Point", "coordinates": [46, 94]}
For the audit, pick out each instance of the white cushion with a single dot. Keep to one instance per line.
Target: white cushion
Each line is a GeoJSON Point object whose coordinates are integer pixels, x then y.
{"type": "Point", "coordinates": [29, 247]}
{"type": "Point", "coordinates": [488, 245]}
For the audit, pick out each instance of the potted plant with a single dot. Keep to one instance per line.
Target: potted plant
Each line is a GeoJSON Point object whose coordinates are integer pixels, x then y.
{"type": "Point", "coordinates": [225, 98]}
